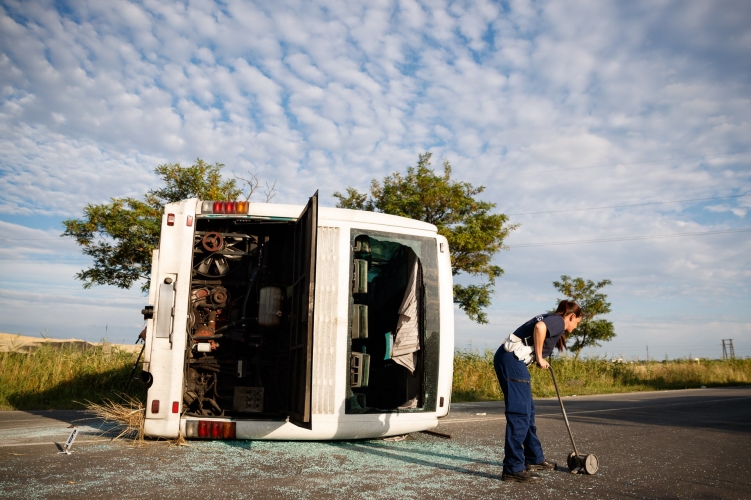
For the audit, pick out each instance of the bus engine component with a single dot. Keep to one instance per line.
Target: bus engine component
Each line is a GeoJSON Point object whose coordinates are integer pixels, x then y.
{"type": "Point", "coordinates": [360, 321]}
{"type": "Point", "coordinates": [270, 306]}
{"type": "Point", "coordinates": [212, 241]}
{"type": "Point", "coordinates": [359, 369]}
{"type": "Point", "coordinates": [248, 399]}
{"type": "Point", "coordinates": [360, 277]}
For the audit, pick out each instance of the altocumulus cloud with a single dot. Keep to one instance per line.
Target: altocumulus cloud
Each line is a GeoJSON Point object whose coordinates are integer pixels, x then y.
{"type": "Point", "coordinates": [550, 105]}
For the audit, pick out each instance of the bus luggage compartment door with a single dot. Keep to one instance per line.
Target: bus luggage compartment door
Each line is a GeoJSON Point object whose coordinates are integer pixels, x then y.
{"type": "Point", "coordinates": [303, 306]}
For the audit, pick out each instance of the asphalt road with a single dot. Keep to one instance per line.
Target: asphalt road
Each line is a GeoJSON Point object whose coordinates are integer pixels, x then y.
{"type": "Point", "coordinates": [678, 444]}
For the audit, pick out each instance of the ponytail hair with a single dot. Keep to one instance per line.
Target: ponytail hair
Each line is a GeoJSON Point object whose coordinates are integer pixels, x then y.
{"type": "Point", "coordinates": [566, 307]}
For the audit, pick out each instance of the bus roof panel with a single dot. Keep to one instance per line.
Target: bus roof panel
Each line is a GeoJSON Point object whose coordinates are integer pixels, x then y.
{"type": "Point", "coordinates": [339, 214]}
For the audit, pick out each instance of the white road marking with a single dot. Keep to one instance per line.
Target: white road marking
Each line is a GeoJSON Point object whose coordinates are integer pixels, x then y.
{"type": "Point", "coordinates": [42, 419]}
{"type": "Point", "coordinates": [464, 420]}
{"type": "Point", "coordinates": [642, 407]}
{"type": "Point", "coordinates": [650, 406]}
{"type": "Point", "coordinates": [48, 443]}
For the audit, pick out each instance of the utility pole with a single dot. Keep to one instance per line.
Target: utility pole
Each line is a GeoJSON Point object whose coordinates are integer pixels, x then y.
{"type": "Point", "coordinates": [727, 349]}
{"type": "Point", "coordinates": [648, 353]}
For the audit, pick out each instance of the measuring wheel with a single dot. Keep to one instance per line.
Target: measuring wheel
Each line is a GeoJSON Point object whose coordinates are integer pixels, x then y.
{"type": "Point", "coordinates": [591, 464]}
{"type": "Point", "coordinates": [572, 461]}
{"type": "Point", "coordinates": [582, 463]}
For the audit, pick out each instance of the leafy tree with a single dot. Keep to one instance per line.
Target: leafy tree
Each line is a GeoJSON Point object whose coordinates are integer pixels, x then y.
{"type": "Point", "coordinates": [121, 235]}
{"type": "Point", "coordinates": [474, 234]}
{"type": "Point", "coordinates": [590, 331]}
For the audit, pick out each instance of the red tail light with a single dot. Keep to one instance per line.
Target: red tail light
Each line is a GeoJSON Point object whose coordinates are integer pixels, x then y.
{"type": "Point", "coordinates": [217, 429]}
{"type": "Point", "coordinates": [218, 207]}
{"type": "Point", "coordinates": [175, 407]}
{"type": "Point", "coordinates": [189, 221]}
{"type": "Point", "coordinates": [203, 428]}
{"type": "Point", "coordinates": [155, 406]}
{"type": "Point", "coordinates": [170, 219]}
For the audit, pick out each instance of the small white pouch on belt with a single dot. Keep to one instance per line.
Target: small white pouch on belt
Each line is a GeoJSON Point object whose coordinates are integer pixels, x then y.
{"type": "Point", "coordinates": [524, 353]}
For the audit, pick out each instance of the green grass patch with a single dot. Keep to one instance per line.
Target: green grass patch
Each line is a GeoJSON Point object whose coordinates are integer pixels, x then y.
{"type": "Point", "coordinates": [64, 377]}
{"type": "Point", "coordinates": [475, 379]}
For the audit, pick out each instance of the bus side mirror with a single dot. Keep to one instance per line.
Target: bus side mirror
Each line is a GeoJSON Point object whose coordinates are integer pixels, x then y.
{"type": "Point", "coordinates": [148, 312]}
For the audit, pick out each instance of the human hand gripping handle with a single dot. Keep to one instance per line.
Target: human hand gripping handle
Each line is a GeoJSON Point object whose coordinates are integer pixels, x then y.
{"type": "Point", "coordinates": [540, 332]}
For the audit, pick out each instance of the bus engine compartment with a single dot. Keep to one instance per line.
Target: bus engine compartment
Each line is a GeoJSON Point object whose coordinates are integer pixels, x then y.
{"type": "Point", "coordinates": [240, 319]}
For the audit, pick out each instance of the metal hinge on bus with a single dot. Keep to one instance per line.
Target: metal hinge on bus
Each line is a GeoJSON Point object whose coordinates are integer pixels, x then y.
{"type": "Point", "coordinates": [166, 301]}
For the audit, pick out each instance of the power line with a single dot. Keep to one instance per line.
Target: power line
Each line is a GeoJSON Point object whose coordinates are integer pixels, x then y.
{"type": "Point", "coordinates": [697, 348]}
{"type": "Point", "coordinates": [629, 238]}
{"type": "Point", "coordinates": [631, 205]}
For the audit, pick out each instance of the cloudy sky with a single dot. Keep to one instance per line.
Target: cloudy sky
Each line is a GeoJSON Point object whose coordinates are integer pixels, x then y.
{"type": "Point", "coordinates": [617, 134]}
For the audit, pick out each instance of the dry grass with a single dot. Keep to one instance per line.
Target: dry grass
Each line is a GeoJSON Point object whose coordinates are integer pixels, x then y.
{"type": "Point", "coordinates": [179, 441]}
{"type": "Point", "coordinates": [128, 417]}
{"type": "Point", "coordinates": [475, 379]}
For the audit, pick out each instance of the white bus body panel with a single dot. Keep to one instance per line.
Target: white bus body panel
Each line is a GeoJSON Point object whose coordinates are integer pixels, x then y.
{"type": "Point", "coordinates": [165, 358]}
{"type": "Point", "coordinates": [332, 427]}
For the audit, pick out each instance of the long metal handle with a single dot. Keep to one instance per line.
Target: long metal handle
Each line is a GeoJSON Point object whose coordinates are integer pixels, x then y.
{"type": "Point", "coordinates": [135, 367]}
{"type": "Point", "coordinates": [563, 410]}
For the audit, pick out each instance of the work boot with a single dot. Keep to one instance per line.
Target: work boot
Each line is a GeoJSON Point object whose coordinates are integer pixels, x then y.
{"type": "Point", "coordinates": [544, 465]}
{"type": "Point", "coordinates": [522, 476]}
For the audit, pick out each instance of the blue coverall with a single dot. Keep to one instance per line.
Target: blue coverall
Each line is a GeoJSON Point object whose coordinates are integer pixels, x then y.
{"type": "Point", "coordinates": [522, 445]}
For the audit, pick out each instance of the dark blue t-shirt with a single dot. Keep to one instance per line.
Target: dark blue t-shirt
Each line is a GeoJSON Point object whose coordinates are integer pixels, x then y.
{"type": "Point", "coordinates": [555, 325]}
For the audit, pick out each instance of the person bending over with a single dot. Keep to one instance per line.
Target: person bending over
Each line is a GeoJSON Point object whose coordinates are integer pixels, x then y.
{"type": "Point", "coordinates": [532, 342]}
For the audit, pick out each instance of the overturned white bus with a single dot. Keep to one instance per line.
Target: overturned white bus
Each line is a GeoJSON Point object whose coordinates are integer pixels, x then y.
{"type": "Point", "coordinates": [286, 322]}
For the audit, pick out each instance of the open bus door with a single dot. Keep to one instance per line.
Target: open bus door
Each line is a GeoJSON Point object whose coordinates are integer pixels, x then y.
{"type": "Point", "coordinates": [303, 306]}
